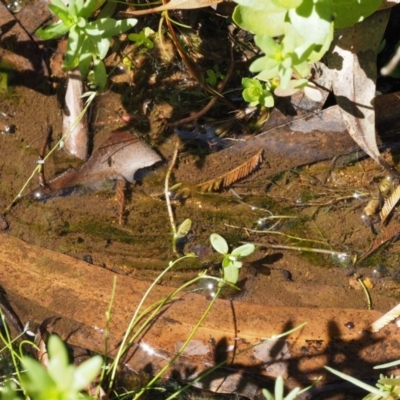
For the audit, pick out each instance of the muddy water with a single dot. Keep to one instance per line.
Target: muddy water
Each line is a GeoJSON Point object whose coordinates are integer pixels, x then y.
{"type": "Point", "coordinates": [321, 207]}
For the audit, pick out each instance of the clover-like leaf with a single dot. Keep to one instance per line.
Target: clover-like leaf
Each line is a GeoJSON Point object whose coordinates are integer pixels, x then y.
{"type": "Point", "coordinates": [219, 243]}
{"type": "Point", "coordinates": [244, 250]}
{"type": "Point", "coordinates": [231, 274]}
{"type": "Point", "coordinates": [263, 18]}
{"type": "Point", "coordinates": [86, 372]}
{"type": "Point", "coordinates": [349, 12]}
{"type": "Point", "coordinates": [184, 228]}
{"type": "Point", "coordinates": [53, 31]}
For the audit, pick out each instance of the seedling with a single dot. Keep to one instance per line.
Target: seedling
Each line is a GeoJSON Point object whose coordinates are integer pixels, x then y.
{"type": "Point", "coordinates": [231, 262]}
{"type": "Point", "coordinates": [88, 41]}
{"type": "Point", "coordinates": [280, 389]}
{"type": "Point", "coordinates": [257, 93]}
{"type": "Point", "coordinates": [61, 380]}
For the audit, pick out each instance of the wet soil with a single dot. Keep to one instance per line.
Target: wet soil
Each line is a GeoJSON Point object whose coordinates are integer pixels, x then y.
{"type": "Point", "coordinates": [319, 199]}
{"type": "Point", "coordinates": [320, 204]}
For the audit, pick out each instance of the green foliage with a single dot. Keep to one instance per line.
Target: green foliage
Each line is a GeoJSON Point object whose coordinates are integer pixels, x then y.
{"type": "Point", "coordinates": [257, 93]}
{"type": "Point", "coordinates": [280, 389]}
{"type": "Point", "coordinates": [387, 388]}
{"type": "Point", "coordinates": [231, 262]}
{"type": "Point", "coordinates": [347, 13]}
{"type": "Point", "coordinates": [292, 34]}
{"type": "Point", "coordinates": [213, 75]}
{"type": "Point", "coordinates": [61, 380]}
{"type": "Point", "coordinates": [143, 38]}
{"type": "Point", "coordinates": [88, 41]}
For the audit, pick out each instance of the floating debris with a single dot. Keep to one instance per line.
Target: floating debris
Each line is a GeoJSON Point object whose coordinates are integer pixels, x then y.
{"type": "Point", "coordinates": [385, 319]}
{"type": "Point", "coordinates": [3, 223]}
{"type": "Point", "coordinates": [118, 158]}
{"type": "Point", "coordinates": [232, 176]}
{"type": "Point", "coordinates": [390, 203]}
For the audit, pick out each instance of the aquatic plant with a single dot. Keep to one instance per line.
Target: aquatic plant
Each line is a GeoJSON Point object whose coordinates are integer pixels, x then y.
{"type": "Point", "coordinates": [231, 262]}
{"type": "Point", "coordinates": [58, 379]}
{"type": "Point", "coordinates": [292, 34]}
{"type": "Point", "coordinates": [279, 391]}
{"type": "Point", "coordinates": [88, 41]}
{"type": "Point", "coordinates": [387, 388]}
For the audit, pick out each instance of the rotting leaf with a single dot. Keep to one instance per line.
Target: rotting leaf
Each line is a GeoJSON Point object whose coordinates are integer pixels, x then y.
{"type": "Point", "coordinates": [353, 66]}
{"type": "Point", "coordinates": [381, 239]}
{"type": "Point", "coordinates": [232, 176]}
{"type": "Point", "coordinates": [390, 203]}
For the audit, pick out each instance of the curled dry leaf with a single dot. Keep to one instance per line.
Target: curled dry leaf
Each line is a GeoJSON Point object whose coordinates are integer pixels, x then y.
{"type": "Point", "coordinates": [390, 203]}
{"type": "Point", "coordinates": [353, 65]}
{"type": "Point", "coordinates": [118, 158]}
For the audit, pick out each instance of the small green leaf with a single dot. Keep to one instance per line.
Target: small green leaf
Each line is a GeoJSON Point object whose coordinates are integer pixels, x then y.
{"type": "Point", "coordinates": [52, 31]}
{"type": "Point", "coordinates": [100, 75]}
{"type": "Point", "coordinates": [219, 243]}
{"type": "Point", "coordinates": [86, 372]}
{"type": "Point", "coordinates": [89, 7]}
{"type": "Point", "coordinates": [244, 250]}
{"type": "Point", "coordinates": [349, 12]}
{"type": "Point", "coordinates": [279, 388]}
{"type": "Point", "coordinates": [226, 261]}
{"type": "Point", "coordinates": [62, 13]}
{"type": "Point", "coordinates": [102, 45]}
{"type": "Point", "coordinates": [184, 228]}
{"type": "Point", "coordinates": [108, 27]}
{"type": "Point", "coordinates": [231, 274]}
{"type": "Point", "coordinates": [75, 40]}
{"type": "Point", "coordinates": [287, 3]}
{"type": "Point", "coordinates": [263, 19]}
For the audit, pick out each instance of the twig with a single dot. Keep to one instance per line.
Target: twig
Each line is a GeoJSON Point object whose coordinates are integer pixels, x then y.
{"type": "Point", "coordinates": [166, 194]}
{"type": "Point", "coordinates": [216, 95]}
{"type": "Point", "coordinates": [367, 295]}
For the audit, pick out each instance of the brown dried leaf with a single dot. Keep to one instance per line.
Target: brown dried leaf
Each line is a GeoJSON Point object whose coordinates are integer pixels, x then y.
{"type": "Point", "coordinates": [381, 239]}
{"type": "Point", "coordinates": [232, 176]}
{"type": "Point", "coordinates": [390, 203]}
{"type": "Point", "coordinates": [353, 65]}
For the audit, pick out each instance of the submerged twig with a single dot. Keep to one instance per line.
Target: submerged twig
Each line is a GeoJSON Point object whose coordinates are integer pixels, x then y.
{"type": "Point", "coordinates": [216, 96]}
{"type": "Point", "coordinates": [339, 254]}
{"type": "Point", "coordinates": [367, 295]}
{"type": "Point", "coordinates": [167, 197]}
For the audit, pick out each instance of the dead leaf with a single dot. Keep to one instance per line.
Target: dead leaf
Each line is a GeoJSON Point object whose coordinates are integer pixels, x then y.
{"type": "Point", "coordinates": [390, 203]}
{"type": "Point", "coordinates": [353, 64]}
{"type": "Point", "coordinates": [176, 5]}
{"type": "Point", "coordinates": [232, 176]}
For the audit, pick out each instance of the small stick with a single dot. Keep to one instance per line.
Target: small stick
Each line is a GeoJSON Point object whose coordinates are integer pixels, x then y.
{"type": "Point", "coordinates": [121, 199]}
{"type": "Point", "coordinates": [42, 152]}
{"type": "Point", "coordinates": [166, 194]}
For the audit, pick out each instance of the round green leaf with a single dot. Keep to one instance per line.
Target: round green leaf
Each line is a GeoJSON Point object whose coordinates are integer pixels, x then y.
{"type": "Point", "coordinates": [266, 20]}
{"type": "Point", "coordinates": [86, 372]}
{"type": "Point", "coordinates": [219, 243]}
{"type": "Point", "coordinates": [244, 250]}
{"type": "Point", "coordinates": [349, 12]}
{"type": "Point", "coordinates": [184, 228]}
{"type": "Point", "coordinates": [287, 3]}
{"type": "Point", "coordinates": [231, 274]}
